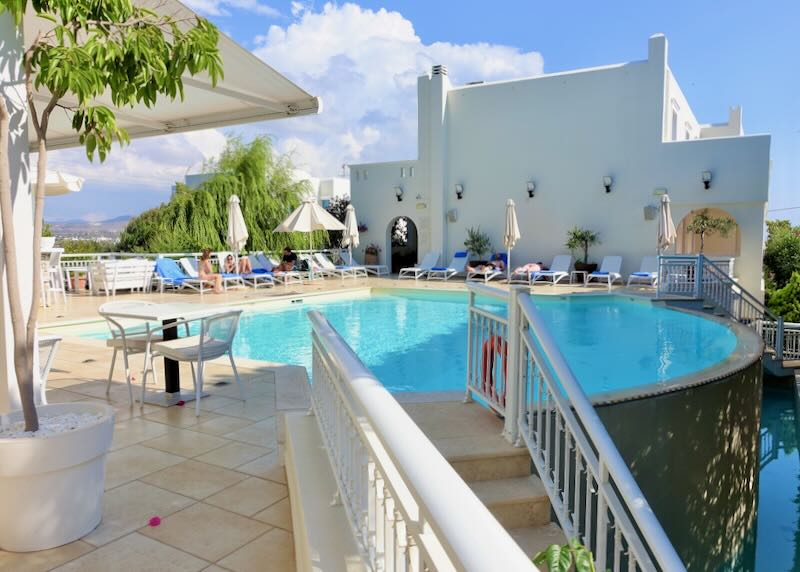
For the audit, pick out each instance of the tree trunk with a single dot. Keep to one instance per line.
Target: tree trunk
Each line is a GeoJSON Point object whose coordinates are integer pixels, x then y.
{"type": "Point", "coordinates": [23, 352]}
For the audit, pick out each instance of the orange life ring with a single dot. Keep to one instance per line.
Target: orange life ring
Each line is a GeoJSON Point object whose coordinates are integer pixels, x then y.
{"type": "Point", "coordinates": [491, 348]}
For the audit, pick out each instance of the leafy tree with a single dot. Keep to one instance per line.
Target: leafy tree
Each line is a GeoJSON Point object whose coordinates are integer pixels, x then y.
{"type": "Point", "coordinates": [786, 301]}
{"type": "Point", "coordinates": [781, 253]}
{"type": "Point", "coordinates": [47, 230]}
{"type": "Point", "coordinates": [703, 225]}
{"type": "Point", "coordinates": [197, 218]}
{"type": "Point", "coordinates": [90, 48]}
{"type": "Point", "coordinates": [581, 239]}
{"type": "Point", "coordinates": [338, 208]}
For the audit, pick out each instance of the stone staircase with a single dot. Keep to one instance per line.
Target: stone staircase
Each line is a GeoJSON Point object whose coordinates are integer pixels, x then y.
{"type": "Point", "coordinates": [468, 436]}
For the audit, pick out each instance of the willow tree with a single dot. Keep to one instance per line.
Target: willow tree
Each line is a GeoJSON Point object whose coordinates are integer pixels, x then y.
{"type": "Point", "coordinates": [89, 48]}
{"type": "Point", "coordinates": [197, 218]}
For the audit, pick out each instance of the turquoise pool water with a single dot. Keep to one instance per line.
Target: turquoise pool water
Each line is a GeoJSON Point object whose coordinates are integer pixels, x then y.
{"type": "Point", "coordinates": [417, 341]}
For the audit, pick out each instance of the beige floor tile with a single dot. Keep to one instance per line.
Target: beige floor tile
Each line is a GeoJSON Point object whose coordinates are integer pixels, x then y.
{"type": "Point", "coordinates": [194, 479]}
{"type": "Point", "coordinates": [264, 434]}
{"type": "Point", "coordinates": [214, 402]}
{"type": "Point", "coordinates": [279, 514]}
{"type": "Point", "coordinates": [254, 409]}
{"type": "Point", "coordinates": [276, 547]}
{"type": "Point", "coordinates": [132, 431]}
{"type": "Point", "coordinates": [214, 568]}
{"type": "Point", "coordinates": [269, 466]}
{"type": "Point", "coordinates": [233, 455]}
{"type": "Point", "coordinates": [130, 507]}
{"type": "Point", "coordinates": [42, 560]}
{"type": "Point", "coordinates": [186, 443]}
{"type": "Point", "coordinates": [222, 424]}
{"type": "Point", "coordinates": [135, 553]}
{"type": "Point", "coordinates": [63, 396]}
{"type": "Point", "coordinates": [180, 416]}
{"type": "Point", "coordinates": [129, 463]}
{"type": "Point", "coordinates": [249, 496]}
{"type": "Point", "coordinates": [206, 531]}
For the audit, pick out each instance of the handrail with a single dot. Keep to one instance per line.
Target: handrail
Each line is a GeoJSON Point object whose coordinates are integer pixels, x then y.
{"type": "Point", "coordinates": [587, 423]}
{"type": "Point", "coordinates": [120, 254]}
{"type": "Point", "coordinates": [379, 454]}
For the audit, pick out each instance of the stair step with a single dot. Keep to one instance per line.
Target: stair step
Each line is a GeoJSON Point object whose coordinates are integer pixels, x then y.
{"type": "Point", "coordinates": [516, 502]}
{"type": "Point", "coordinates": [534, 539]}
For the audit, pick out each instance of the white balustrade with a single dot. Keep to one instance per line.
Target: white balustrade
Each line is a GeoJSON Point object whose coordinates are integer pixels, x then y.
{"type": "Point", "coordinates": [408, 508]}
{"type": "Point", "coordinates": [591, 489]}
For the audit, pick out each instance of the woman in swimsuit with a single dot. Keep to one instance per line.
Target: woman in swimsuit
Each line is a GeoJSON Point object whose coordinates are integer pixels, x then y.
{"type": "Point", "coordinates": [207, 273]}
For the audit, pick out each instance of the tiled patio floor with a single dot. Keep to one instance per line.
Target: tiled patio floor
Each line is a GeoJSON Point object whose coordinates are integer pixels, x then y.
{"type": "Point", "coordinates": [217, 482]}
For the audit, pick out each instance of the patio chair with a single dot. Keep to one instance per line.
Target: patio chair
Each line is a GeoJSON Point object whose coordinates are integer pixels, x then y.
{"type": "Point", "coordinates": [457, 266]}
{"type": "Point", "coordinates": [254, 279]}
{"type": "Point", "coordinates": [559, 270]}
{"type": "Point", "coordinates": [332, 269]}
{"type": "Point", "coordinates": [375, 269]}
{"type": "Point", "coordinates": [128, 336]}
{"type": "Point", "coordinates": [314, 271]}
{"type": "Point", "coordinates": [487, 275]}
{"type": "Point", "coordinates": [189, 266]}
{"type": "Point", "coordinates": [647, 274]}
{"type": "Point", "coordinates": [48, 348]}
{"type": "Point", "coordinates": [169, 273]}
{"type": "Point", "coordinates": [608, 274]}
{"type": "Point", "coordinates": [284, 277]}
{"type": "Point", "coordinates": [214, 340]}
{"type": "Point", "coordinates": [52, 276]}
{"type": "Point", "coordinates": [418, 271]}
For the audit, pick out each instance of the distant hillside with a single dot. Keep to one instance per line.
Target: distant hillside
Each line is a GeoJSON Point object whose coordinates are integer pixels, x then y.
{"type": "Point", "coordinates": [78, 228]}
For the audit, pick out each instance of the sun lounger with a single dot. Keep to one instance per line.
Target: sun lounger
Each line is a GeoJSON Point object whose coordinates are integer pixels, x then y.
{"type": "Point", "coordinates": [489, 273]}
{"type": "Point", "coordinates": [189, 266]}
{"type": "Point", "coordinates": [170, 274]}
{"type": "Point", "coordinates": [457, 266]}
{"type": "Point", "coordinates": [254, 279]}
{"type": "Point", "coordinates": [608, 273]}
{"type": "Point", "coordinates": [330, 269]}
{"type": "Point", "coordinates": [524, 274]}
{"type": "Point", "coordinates": [647, 274]}
{"type": "Point", "coordinates": [559, 270]}
{"type": "Point", "coordinates": [375, 269]}
{"type": "Point", "coordinates": [282, 276]}
{"type": "Point", "coordinates": [417, 272]}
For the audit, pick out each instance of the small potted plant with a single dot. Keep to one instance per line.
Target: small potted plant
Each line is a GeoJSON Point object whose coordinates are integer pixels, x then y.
{"type": "Point", "coordinates": [371, 254]}
{"type": "Point", "coordinates": [580, 239]}
{"type": "Point", "coordinates": [477, 243]}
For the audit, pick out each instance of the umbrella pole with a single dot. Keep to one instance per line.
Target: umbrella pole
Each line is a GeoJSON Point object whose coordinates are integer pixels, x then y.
{"type": "Point", "coordinates": [350, 249]}
{"type": "Point", "coordinates": [311, 256]}
{"type": "Point", "coordinates": [508, 266]}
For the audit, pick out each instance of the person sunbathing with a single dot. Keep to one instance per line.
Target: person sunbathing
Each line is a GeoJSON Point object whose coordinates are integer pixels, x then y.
{"type": "Point", "coordinates": [287, 262]}
{"type": "Point", "coordinates": [206, 272]}
{"type": "Point", "coordinates": [496, 263]}
{"type": "Point", "coordinates": [244, 265]}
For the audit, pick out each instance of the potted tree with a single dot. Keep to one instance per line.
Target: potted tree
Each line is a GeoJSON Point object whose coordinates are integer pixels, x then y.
{"type": "Point", "coordinates": [580, 239]}
{"type": "Point", "coordinates": [703, 224]}
{"type": "Point", "coordinates": [53, 466]}
{"type": "Point", "coordinates": [477, 244]}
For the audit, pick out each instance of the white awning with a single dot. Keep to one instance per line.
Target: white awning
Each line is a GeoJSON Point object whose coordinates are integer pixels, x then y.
{"type": "Point", "coordinates": [251, 91]}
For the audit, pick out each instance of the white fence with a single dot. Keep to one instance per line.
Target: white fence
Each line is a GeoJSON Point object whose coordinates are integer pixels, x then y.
{"type": "Point", "coordinates": [591, 489]}
{"type": "Point", "coordinates": [408, 508]}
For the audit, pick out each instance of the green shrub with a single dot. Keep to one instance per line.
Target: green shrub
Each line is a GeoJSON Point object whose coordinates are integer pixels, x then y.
{"type": "Point", "coordinates": [581, 239]}
{"type": "Point", "coordinates": [86, 245]}
{"type": "Point", "coordinates": [558, 558]}
{"type": "Point", "coordinates": [786, 301]}
{"type": "Point", "coordinates": [781, 253]}
{"type": "Point", "coordinates": [477, 242]}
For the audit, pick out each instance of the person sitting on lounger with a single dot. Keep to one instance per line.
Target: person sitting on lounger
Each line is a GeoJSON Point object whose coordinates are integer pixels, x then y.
{"type": "Point", "coordinates": [288, 261]}
{"type": "Point", "coordinates": [529, 268]}
{"type": "Point", "coordinates": [206, 272]}
{"type": "Point", "coordinates": [496, 263]}
{"type": "Point", "coordinates": [244, 265]}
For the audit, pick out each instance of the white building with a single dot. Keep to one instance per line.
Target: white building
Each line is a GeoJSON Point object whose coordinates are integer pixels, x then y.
{"type": "Point", "coordinates": [564, 133]}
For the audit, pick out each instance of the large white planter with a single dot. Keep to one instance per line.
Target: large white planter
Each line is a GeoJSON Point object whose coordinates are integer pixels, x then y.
{"type": "Point", "coordinates": [51, 488]}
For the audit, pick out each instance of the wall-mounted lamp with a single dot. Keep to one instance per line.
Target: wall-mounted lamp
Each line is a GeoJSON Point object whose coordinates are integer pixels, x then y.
{"type": "Point", "coordinates": [398, 192]}
{"type": "Point", "coordinates": [459, 191]}
{"type": "Point", "coordinates": [531, 186]}
{"type": "Point", "coordinates": [707, 180]}
{"type": "Point", "coordinates": [607, 182]}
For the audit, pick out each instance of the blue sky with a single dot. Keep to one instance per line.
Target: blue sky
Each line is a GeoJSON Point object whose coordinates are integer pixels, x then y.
{"type": "Point", "coordinates": [362, 59]}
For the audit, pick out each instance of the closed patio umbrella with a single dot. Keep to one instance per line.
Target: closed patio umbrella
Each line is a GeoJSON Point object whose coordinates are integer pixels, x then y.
{"type": "Point", "coordinates": [666, 228]}
{"type": "Point", "coordinates": [308, 217]}
{"type": "Point", "coordinates": [350, 239]}
{"type": "Point", "coordinates": [237, 229]}
{"type": "Point", "coordinates": [511, 234]}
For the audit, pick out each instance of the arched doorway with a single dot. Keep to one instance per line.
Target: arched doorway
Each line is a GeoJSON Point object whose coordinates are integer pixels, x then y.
{"type": "Point", "coordinates": [401, 240]}
{"type": "Point", "coordinates": [714, 243]}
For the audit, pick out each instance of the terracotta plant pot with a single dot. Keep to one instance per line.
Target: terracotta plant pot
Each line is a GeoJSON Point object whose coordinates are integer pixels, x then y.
{"type": "Point", "coordinates": [78, 283]}
{"type": "Point", "coordinates": [370, 258]}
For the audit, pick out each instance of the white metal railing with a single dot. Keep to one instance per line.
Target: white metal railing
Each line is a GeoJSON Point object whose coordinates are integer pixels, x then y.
{"type": "Point", "coordinates": [591, 489]}
{"type": "Point", "coordinates": [699, 278]}
{"type": "Point", "coordinates": [408, 508]}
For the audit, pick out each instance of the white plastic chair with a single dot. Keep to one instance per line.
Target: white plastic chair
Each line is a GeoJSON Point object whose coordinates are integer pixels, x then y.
{"type": "Point", "coordinates": [430, 260]}
{"type": "Point", "coordinates": [214, 340]}
{"type": "Point", "coordinates": [559, 270]}
{"type": "Point", "coordinates": [609, 272]}
{"type": "Point", "coordinates": [647, 274]}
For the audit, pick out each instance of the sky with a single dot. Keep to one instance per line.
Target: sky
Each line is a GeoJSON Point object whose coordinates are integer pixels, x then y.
{"type": "Point", "coordinates": [363, 59]}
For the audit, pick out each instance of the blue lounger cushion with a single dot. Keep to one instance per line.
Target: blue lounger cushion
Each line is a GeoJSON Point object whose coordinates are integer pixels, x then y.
{"type": "Point", "coordinates": [598, 273]}
{"type": "Point", "coordinates": [441, 268]}
{"type": "Point", "coordinates": [644, 274]}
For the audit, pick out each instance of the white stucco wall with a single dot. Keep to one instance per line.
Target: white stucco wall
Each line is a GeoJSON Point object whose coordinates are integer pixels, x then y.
{"type": "Point", "coordinates": [565, 132]}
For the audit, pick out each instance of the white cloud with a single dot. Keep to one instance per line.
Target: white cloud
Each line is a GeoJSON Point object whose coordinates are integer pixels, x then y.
{"type": "Point", "coordinates": [364, 64]}
{"type": "Point", "coordinates": [221, 7]}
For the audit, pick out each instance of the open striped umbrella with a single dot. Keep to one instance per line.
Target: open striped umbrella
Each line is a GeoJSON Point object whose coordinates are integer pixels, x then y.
{"type": "Point", "coordinates": [511, 234]}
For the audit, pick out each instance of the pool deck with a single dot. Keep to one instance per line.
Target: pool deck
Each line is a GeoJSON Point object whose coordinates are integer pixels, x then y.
{"type": "Point", "coordinates": [217, 482]}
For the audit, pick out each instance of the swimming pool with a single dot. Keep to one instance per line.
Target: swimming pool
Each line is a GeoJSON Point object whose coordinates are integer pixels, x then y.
{"type": "Point", "coordinates": [416, 341]}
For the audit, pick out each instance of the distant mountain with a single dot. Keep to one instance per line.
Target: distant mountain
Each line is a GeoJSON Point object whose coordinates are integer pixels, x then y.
{"type": "Point", "coordinates": [90, 229]}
